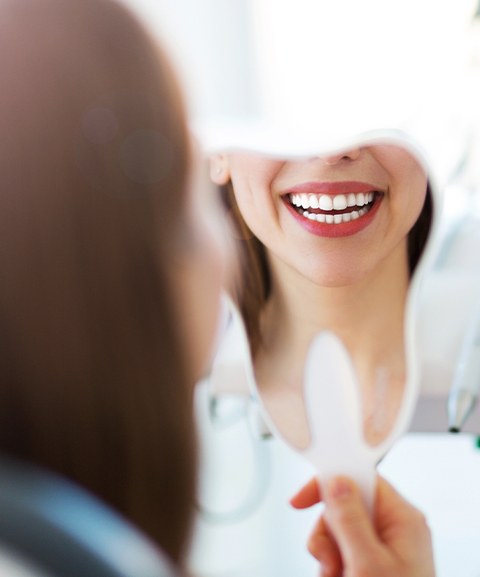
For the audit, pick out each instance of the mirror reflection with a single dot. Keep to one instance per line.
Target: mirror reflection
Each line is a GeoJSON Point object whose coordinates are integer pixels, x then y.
{"type": "Point", "coordinates": [327, 242]}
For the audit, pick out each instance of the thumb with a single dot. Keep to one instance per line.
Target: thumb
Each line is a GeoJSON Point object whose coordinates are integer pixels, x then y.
{"type": "Point", "coordinates": [350, 524]}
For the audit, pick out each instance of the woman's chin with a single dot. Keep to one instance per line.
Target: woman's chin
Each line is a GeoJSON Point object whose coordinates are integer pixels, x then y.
{"type": "Point", "coordinates": [336, 276]}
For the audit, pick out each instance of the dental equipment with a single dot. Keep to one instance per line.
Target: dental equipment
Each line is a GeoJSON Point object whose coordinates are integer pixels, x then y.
{"type": "Point", "coordinates": [466, 383]}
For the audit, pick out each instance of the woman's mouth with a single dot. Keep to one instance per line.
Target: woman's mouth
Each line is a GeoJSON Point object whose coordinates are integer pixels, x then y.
{"type": "Point", "coordinates": [332, 209]}
{"type": "Point", "coordinates": [334, 215]}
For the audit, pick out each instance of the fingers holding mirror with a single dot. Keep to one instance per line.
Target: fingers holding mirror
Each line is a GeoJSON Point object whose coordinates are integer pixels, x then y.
{"type": "Point", "coordinates": [333, 243]}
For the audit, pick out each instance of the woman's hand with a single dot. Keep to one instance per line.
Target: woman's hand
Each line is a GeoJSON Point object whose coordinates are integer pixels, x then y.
{"type": "Point", "coordinates": [347, 543]}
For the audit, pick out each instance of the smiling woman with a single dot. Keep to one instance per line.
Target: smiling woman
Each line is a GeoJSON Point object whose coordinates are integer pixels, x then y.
{"type": "Point", "coordinates": [328, 243]}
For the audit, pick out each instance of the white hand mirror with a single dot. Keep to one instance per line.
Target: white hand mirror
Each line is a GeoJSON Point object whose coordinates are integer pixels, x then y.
{"type": "Point", "coordinates": [333, 249]}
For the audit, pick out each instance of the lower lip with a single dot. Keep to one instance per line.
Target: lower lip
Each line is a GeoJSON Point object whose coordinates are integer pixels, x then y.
{"type": "Point", "coordinates": [341, 229]}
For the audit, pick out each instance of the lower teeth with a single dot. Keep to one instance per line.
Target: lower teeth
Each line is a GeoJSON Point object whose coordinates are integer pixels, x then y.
{"type": "Point", "coordinates": [336, 218]}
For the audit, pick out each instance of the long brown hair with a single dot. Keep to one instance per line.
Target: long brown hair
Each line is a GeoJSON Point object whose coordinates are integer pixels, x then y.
{"type": "Point", "coordinates": [253, 285]}
{"type": "Point", "coordinates": [93, 148]}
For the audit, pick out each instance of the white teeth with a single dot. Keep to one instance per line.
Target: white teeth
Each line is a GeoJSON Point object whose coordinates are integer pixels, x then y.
{"type": "Point", "coordinates": [340, 202]}
{"type": "Point", "coordinates": [327, 202]}
{"type": "Point", "coordinates": [335, 218]}
{"type": "Point", "coordinates": [351, 200]}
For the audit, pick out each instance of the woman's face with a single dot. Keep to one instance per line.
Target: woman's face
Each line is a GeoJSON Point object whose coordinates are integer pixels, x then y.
{"type": "Point", "coordinates": [334, 218]}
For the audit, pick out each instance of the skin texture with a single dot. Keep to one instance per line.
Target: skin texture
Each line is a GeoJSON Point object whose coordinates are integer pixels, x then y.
{"type": "Point", "coordinates": [347, 542]}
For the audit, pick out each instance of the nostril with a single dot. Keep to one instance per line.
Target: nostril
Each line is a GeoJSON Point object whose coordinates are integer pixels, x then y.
{"type": "Point", "coordinates": [344, 156]}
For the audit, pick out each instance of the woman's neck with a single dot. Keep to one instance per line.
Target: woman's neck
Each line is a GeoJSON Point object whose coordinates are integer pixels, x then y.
{"type": "Point", "coordinates": [364, 314]}
{"type": "Point", "coordinates": [367, 315]}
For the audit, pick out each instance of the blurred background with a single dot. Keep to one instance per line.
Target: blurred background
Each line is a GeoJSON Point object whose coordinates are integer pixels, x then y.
{"type": "Point", "coordinates": [413, 64]}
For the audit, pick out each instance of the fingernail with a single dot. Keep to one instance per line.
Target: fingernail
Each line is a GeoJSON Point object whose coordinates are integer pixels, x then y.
{"type": "Point", "coordinates": [339, 488]}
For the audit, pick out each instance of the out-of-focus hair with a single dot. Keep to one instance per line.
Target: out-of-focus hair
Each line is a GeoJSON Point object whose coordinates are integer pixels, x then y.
{"type": "Point", "coordinates": [94, 162]}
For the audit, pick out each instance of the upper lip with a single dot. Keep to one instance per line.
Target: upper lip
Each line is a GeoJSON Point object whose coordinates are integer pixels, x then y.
{"type": "Point", "coordinates": [339, 187]}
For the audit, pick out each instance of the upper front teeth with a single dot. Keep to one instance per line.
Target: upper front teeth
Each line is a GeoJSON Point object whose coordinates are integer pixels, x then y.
{"type": "Point", "coordinates": [326, 202]}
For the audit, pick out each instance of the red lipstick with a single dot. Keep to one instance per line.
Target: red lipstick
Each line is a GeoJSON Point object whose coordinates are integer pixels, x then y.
{"type": "Point", "coordinates": [331, 229]}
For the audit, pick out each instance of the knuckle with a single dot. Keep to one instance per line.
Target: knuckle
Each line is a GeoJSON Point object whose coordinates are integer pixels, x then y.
{"type": "Point", "coordinates": [351, 516]}
{"type": "Point", "coordinates": [312, 546]}
{"type": "Point", "coordinates": [316, 547]}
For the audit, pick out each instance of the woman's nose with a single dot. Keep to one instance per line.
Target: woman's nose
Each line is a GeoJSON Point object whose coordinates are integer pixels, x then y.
{"type": "Point", "coordinates": [349, 155]}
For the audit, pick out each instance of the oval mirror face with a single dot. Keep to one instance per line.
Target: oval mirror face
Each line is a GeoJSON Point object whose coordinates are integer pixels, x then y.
{"type": "Point", "coordinates": [328, 242]}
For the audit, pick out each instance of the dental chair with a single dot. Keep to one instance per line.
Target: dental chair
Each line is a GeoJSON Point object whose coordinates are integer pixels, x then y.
{"type": "Point", "coordinates": [50, 527]}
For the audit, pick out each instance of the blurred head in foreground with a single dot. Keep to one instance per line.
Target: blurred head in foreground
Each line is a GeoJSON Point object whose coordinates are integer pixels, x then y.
{"type": "Point", "coordinates": [105, 261]}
